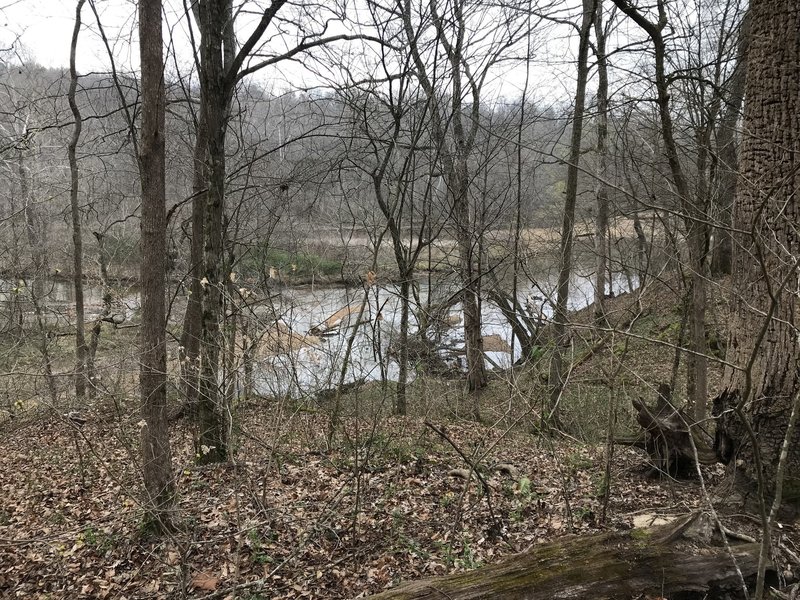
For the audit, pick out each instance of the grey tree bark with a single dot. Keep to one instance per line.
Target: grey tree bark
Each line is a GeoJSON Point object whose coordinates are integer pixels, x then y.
{"type": "Point", "coordinates": [756, 400]}
{"type": "Point", "coordinates": [192, 322]}
{"type": "Point", "coordinates": [560, 316]}
{"type": "Point", "coordinates": [77, 235]}
{"type": "Point", "coordinates": [213, 410]}
{"type": "Point", "coordinates": [601, 223]}
{"type": "Point", "coordinates": [156, 454]}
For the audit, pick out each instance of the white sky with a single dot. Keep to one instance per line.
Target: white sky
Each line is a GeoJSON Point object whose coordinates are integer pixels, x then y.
{"type": "Point", "coordinates": [41, 30]}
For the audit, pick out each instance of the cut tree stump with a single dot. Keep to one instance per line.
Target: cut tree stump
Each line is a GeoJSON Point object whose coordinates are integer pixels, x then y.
{"type": "Point", "coordinates": [674, 560]}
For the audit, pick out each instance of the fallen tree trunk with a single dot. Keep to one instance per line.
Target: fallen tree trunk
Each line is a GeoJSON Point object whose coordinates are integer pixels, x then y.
{"type": "Point", "coordinates": [657, 561]}
{"type": "Point", "coordinates": [671, 443]}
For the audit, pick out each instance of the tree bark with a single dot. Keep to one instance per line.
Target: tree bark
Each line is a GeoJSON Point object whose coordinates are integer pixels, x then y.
{"type": "Point", "coordinates": [601, 222]}
{"type": "Point", "coordinates": [213, 412]}
{"type": "Point", "coordinates": [105, 314]}
{"type": "Point", "coordinates": [77, 235]}
{"type": "Point", "coordinates": [726, 169]}
{"type": "Point", "coordinates": [560, 332]}
{"type": "Point", "coordinates": [763, 343]}
{"type": "Point", "coordinates": [156, 455]}
{"type": "Point", "coordinates": [193, 318]}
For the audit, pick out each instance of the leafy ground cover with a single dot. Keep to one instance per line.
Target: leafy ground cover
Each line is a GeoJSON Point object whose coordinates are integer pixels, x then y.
{"type": "Point", "coordinates": [395, 501]}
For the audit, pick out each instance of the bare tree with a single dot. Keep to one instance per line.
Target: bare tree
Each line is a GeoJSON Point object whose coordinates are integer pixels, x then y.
{"type": "Point", "coordinates": [223, 65]}
{"type": "Point", "coordinates": [725, 167]}
{"type": "Point", "coordinates": [694, 207]}
{"type": "Point", "coordinates": [156, 454]}
{"type": "Point", "coordinates": [601, 222]}
{"type": "Point", "coordinates": [77, 234]}
{"type": "Point", "coordinates": [560, 316]}
{"type": "Point", "coordinates": [447, 30]}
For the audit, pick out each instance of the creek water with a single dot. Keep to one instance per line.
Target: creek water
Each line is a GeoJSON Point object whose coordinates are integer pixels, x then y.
{"type": "Point", "coordinates": [316, 363]}
{"type": "Point", "coordinates": [296, 362]}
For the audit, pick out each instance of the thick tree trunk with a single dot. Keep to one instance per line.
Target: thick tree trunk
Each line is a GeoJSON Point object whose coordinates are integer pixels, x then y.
{"type": "Point", "coordinates": [755, 405]}
{"type": "Point", "coordinates": [609, 565]}
{"type": "Point", "coordinates": [156, 456]}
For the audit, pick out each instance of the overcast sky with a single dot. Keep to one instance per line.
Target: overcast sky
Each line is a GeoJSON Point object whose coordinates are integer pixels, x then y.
{"type": "Point", "coordinates": [41, 30]}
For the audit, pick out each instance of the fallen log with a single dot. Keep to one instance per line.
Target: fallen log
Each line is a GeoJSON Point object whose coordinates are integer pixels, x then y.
{"type": "Point", "coordinates": [666, 561]}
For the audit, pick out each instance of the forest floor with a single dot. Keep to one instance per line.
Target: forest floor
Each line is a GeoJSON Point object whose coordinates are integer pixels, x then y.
{"type": "Point", "coordinates": [388, 499]}
{"type": "Point", "coordinates": [298, 522]}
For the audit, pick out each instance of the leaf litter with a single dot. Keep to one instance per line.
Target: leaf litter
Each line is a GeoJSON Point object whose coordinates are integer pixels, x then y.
{"type": "Point", "coordinates": [392, 502]}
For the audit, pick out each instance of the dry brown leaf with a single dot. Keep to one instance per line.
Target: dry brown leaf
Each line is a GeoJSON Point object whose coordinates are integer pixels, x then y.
{"type": "Point", "coordinates": [204, 581]}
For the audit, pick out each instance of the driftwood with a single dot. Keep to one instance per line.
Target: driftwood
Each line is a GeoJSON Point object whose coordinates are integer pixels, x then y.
{"type": "Point", "coordinates": [281, 339]}
{"type": "Point", "coordinates": [338, 320]}
{"type": "Point", "coordinates": [668, 439]}
{"type": "Point", "coordinates": [661, 561]}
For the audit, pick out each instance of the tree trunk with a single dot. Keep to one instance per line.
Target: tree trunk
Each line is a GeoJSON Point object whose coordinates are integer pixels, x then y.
{"type": "Point", "coordinates": [601, 222]}
{"type": "Point", "coordinates": [156, 456]}
{"type": "Point", "coordinates": [455, 140]}
{"type": "Point", "coordinates": [402, 358]}
{"type": "Point", "coordinates": [473, 340]}
{"type": "Point", "coordinates": [673, 445]}
{"type": "Point", "coordinates": [105, 314]}
{"type": "Point", "coordinates": [763, 340]}
{"type": "Point", "coordinates": [694, 208]}
{"type": "Point", "coordinates": [34, 225]}
{"type": "Point", "coordinates": [77, 236]}
{"type": "Point", "coordinates": [213, 412]}
{"type": "Point", "coordinates": [193, 318]}
{"type": "Point", "coordinates": [560, 333]}
{"type": "Point", "coordinates": [726, 169]}
{"type": "Point", "coordinates": [609, 565]}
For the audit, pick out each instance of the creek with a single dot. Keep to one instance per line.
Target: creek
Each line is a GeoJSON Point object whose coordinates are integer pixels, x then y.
{"type": "Point", "coordinates": [305, 332]}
